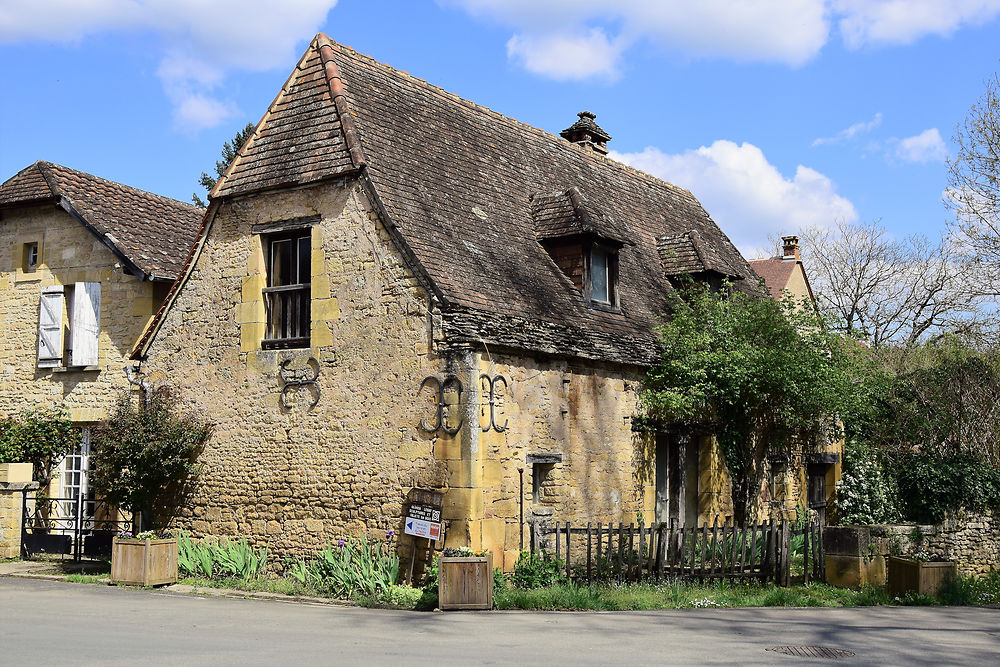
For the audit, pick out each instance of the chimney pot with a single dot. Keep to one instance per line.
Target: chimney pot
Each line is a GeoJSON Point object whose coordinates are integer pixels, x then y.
{"type": "Point", "coordinates": [790, 247]}
{"type": "Point", "coordinates": [587, 133]}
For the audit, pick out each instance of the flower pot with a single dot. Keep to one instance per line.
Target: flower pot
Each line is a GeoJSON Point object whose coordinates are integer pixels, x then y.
{"type": "Point", "coordinates": [144, 562]}
{"type": "Point", "coordinates": [465, 582]}
{"type": "Point", "coordinates": [925, 578]}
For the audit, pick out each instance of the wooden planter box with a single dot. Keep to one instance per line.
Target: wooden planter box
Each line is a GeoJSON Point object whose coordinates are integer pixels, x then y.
{"type": "Point", "coordinates": [465, 582]}
{"type": "Point", "coordinates": [144, 562]}
{"type": "Point", "coordinates": [913, 575]}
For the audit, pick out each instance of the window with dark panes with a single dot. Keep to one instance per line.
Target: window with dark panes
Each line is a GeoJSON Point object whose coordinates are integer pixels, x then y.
{"type": "Point", "coordinates": [287, 294]}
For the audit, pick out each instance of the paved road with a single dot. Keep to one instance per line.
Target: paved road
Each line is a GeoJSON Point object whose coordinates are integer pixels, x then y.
{"type": "Point", "coordinates": [46, 622]}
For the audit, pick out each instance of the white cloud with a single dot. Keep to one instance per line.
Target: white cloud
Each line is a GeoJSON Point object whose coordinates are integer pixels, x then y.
{"type": "Point", "coordinates": [744, 193]}
{"type": "Point", "coordinates": [878, 22]}
{"type": "Point", "coordinates": [557, 37]}
{"type": "Point", "coordinates": [928, 146]}
{"type": "Point", "coordinates": [199, 42]}
{"type": "Point", "coordinates": [567, 56]}
{"type": "Point", "coordinates": [851, 132]}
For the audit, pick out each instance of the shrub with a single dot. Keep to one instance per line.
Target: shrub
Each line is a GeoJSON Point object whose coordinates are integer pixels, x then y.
{"type": "Point", "coordinates": [931, 485]}
{"type": "Point", "coordinates": [41, 436]}
{"type": "Point", "coordinates": [537, 571]}
{"type": "Point", "coordinates": [865, 493]}
{"type": "Point", "coordinates": [144, 455]}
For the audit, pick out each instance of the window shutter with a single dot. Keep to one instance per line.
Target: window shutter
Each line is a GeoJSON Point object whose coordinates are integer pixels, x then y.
{"type": "Point", "coordinates": [85, 325]}
{"type": "Point", "coordinates": [50, 329]}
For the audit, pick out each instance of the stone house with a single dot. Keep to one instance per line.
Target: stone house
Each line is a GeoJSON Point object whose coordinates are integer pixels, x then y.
{"type": "Point", "coordinates": [805, 478]}
{"type": "Point", "coordinates": [84, 265]}
{"type": "Point", "coordinates": [396, 288]}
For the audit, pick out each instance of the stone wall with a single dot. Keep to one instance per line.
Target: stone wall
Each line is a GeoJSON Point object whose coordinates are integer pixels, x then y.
{"type": "Point", "coordinates": [68, 253]}
{"type": "Point", "coordinates": [971, 540]}
{"type": "Point", "coordinates": [299, 477]}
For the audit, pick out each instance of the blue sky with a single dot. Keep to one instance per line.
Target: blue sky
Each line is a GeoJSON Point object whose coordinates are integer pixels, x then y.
{"type": "Point", "coordinates": [776, 114]}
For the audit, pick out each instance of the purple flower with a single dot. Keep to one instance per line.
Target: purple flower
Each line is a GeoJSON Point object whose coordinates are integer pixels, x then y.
{"type": "Point", "coordinates": [341, 542]}
{"type": "Point", "coordinates": [389, 534]}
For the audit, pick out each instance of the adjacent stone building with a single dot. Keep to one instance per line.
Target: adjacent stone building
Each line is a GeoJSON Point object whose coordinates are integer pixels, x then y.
{"type": "Point", "coordinates": [803, 478]}
{"type": "Point", "coordinates": [396, 288]}
{"type": "Point", "coordinates": [84, 265]}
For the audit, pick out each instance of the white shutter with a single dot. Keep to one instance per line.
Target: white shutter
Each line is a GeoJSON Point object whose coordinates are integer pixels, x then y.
{"type": "Point", "coordinates": [85, 324]}
{"type": "Point", "coordinates": [50, 327]}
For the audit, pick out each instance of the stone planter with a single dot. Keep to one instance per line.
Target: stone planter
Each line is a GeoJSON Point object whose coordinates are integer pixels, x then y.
{"type": "Point", "coordinates": [144, 562]}
{"type": "Point", "coordinates": [925, 578]}
{"type": "Point", "coordinates": [465, 582]}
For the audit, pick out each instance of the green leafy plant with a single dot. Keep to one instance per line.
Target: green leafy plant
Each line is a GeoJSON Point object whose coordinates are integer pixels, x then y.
{"type": "Point", "coordinates": [537, 571]}
{"type": "Point", "coordinates": [40, 436]}
{"type": "Point", "coordinates": [144, 456]}
{"type": "Point", "coordinates": [349, 568]}
{"type": "Point", "coordinates": [764, 374]}
{"type": "Point", "coordinates": [221, 558]}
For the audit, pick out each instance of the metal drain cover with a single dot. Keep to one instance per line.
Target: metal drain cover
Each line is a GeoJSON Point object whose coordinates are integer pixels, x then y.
{"type": "Point", "coordinates": [812, 652]}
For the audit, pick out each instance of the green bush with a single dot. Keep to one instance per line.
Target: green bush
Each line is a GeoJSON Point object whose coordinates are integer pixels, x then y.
{"type": "Point", "coordinates": [144, 456]}
{"type": "Point", "coordinates": [866, 493]}
{"type": "Point", "coordinates": [931, 485]}
{"type": "Point", "coordinates": [41, 436]}
{"type": "Point", "coordinates": [349, 568]}
{"type": "Point", "coordinates": [537, 571]}
{"type": "Point", "coordinates": [222, 558]}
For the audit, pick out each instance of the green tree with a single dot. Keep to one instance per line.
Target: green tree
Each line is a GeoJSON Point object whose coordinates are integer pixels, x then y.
{"type": "Point", "coordinates": [41, 436]}
{"type": "Point", "coordinates": [144, 456]}
{"type": "Point", "coordinates": [229, 151]}
{"type": "Point", "coordinates": [761, 373]}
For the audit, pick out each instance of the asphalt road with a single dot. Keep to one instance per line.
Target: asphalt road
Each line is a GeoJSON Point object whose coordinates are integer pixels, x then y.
{"type": "Point", "coordinates": [46, 622]}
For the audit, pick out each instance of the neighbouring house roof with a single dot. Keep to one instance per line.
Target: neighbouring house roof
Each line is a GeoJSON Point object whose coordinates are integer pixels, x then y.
{"type": "Point", "coordinates": [465, 194]}
{"type": "Point", "coordinates": [150, 233]}
{"type": "Point", "coordinates": [687, 253]}
{"type": "Point", "coordinates": [777, 272]}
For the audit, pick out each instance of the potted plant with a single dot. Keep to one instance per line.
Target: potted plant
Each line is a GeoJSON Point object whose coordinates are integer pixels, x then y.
{"type": "Point", "coordinates": [919, 574]}
{"type": "Point", "coordinates": [143, 463]}
{"type": "Point", "coordinates": [465, 579]}
{"type": "Point", "coordinates": [145, 559]}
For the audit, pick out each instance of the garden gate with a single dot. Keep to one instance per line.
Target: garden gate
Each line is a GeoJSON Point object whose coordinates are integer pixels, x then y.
{"type": "Point", "coordinates": [74, 526]}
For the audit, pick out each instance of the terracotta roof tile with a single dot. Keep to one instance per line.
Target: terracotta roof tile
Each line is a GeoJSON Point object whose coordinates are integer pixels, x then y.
{"type": "Point", "coordinates": [152, 232]}
{"type": "Point", "coordinates": [775, 271]}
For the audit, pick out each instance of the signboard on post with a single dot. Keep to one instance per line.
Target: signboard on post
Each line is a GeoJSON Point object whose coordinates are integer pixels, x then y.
{"type": "Point", "coordinates": [423, 521]}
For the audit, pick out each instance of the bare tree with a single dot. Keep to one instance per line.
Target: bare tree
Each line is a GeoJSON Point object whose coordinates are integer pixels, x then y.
{"type": "Point", "coordinates": [890, 291]}
{"type": "Point", "coordinates": [974, 186]}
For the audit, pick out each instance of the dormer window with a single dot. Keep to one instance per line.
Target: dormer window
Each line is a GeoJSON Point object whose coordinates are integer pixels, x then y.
{"type": "Point", "coordinates": [603, 275]}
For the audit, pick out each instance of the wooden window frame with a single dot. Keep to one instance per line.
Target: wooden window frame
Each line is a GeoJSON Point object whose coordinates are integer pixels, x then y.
{"type": "Point", "coordinates": [613, 302]}
{"type": "Point", "coordinates": [293, 300]}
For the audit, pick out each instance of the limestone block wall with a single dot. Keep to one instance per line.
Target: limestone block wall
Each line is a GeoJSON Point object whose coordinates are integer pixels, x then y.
{"type": "Point", "coordinates": [971, 540]}
{"type": "Point", "coordinates": [299, 477]}
{"type": "Point", "coordinates": [68, 253]}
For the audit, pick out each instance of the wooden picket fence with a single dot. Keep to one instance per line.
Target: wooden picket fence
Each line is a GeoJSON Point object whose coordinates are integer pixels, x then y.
{"type": "Point", "coordinates": [604, 552]}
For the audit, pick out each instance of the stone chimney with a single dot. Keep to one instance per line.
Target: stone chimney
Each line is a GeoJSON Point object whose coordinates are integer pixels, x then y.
{"type": "Point", "coordinates": [585, 132]}
{"type": "Point", "coordinates": [790, 247]}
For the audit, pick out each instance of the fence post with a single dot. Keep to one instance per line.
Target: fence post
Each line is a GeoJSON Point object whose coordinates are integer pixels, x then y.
{"type": "Point", "coordinates": [557, 539]}
{"type": "Point", "coordinates": [569, 576]}
{"type": "Point", "coordinates": [588, 553]}
{"type": "Point", "coordinates": [805, 552]}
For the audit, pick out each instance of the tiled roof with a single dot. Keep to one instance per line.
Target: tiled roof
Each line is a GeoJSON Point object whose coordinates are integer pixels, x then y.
{"type": "Point", "coordinates": [456, 182]}
{"type": "Point", "coordinates": [775, 271]}
{"type": "Point", "coordinates": [687, 253]}
{"type": "Point", "coordinates": [566, 214]}
{"type": "Point", "coordinates": [152, 232]}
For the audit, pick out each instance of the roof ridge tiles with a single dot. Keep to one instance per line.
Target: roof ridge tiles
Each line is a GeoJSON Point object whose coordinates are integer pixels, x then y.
{"type": "Point", "coordinates": [523, 125]}
{"type": "Point", "coordinates": [130, 188]}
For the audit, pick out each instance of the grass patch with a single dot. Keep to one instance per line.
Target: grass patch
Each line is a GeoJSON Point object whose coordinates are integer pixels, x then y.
{"type": "Point", "coordinates": [280, 585]}
{"type": "Point", "coordinates": [678, 595]}
{"type": "Point", "coordinates": [86, 578]}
